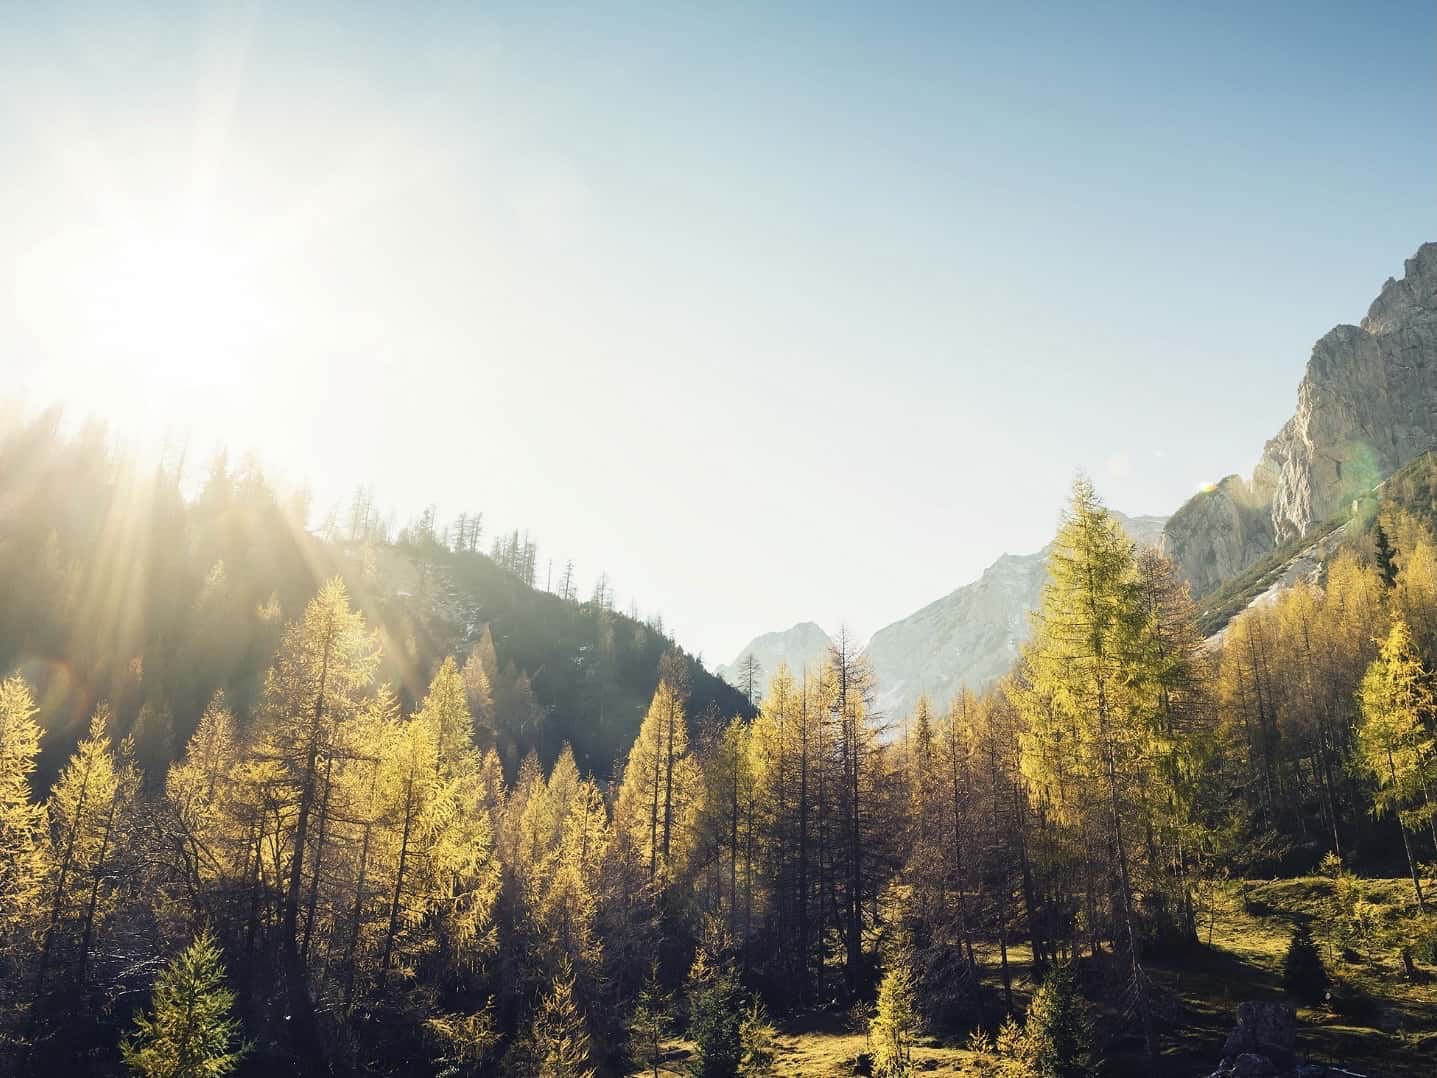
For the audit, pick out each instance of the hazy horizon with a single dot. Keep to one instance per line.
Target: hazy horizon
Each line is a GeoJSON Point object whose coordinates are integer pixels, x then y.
{"type": "Point", "coordinates": [757, 311]}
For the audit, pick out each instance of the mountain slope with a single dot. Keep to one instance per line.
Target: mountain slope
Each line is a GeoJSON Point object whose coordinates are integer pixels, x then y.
{"type": "Point", "coordinates": [190, 596]}
{"type": "Point", "coordinates": [1412, 489]}
{"type": "Point", "coordinates": [971, 635]}
{"type": "Point", "coordinates": [1366, 406]}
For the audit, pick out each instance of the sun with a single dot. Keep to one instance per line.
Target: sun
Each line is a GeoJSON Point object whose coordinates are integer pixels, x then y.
{"type": "Point", "coordinates": [176, 300]}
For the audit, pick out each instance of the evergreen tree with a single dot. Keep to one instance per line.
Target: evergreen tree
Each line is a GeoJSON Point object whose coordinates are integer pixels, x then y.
{"type": "Point", "coordinates": [1091, 748]}
{"type": "Point", "coordinates": [895, 1023]}
{"type": "Point", "coordinates": [1303, 973]}
{"type": "Point", "coordinates": [855, 884]}
{"type": "Point", "coordinates": [561, 1037]}
{"type": "Point", "coordinates": [649, 1025]}
{"type": "Point", "coordinates": [480, 670]}
{"type": "Point", "coordinates": [758, 1043]}
{"type": "Point", "coordinates": [325, 663]}
{"type": "Point", "coordinates": [189, 1031]}
{"type": "Point", "coordinates": [715, 1015]}
{"type": "Point", "coordinates": [1058, 1032]}
{"type": "Point", "coordinates": [749, 678]}
{"type": "Point", "coordinates": [90, 816]}
{"type": "Point", "coordinates": [1415, 597]}
{"type": "Point", "coordinates": [659, 788]}
{"type": "Point", "coordinates": [1395, 738]}
{"type": "Point", "coordinates": [1386, 557]}
{"type": "Point", "coordinates": [22, 845]}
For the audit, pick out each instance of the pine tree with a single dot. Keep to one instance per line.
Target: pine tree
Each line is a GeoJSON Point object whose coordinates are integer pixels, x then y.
{"type": "Point", "coordinates": [22, 845]}
{"type": "Point", "coordinates": [715, 1014]}
{"type": "Point", "coordinates": [659, 786]}
{"type": "Point", "coordinates": [749, 678]}
{"type": "Point", "coordinates": [90, 815]}
{"type": "Point", "coordinates": [480, 670]}
{"type": "Point", "coordinates": [649, 1025]}
{"type": "Point", "coordinates": [211, 837]}
{"type": "Point", "coordinates": [1395, 740]}
{"type": "Point", "coordinates": [189, 1031]}
{"type": "Point", "coordinates": [1416, 595]}
{"type": "Point", "coordinates": [561, 1037]}
{"type": "Point", "coordinates": [850, 701]}
{"type": "Point", "coordinates": [1058, 1031]}
{"type": "Point", "coordinates": [758, 1043]}
{"type": "Point", "coordinates": [325, 663]}
{"type": "Point", "coordinates": [1386, 560]}
{"type": "Point", "coordinates": [461, 869]}
{"type": "Point", "coordinates": [895, 1023]}
{"type": "Point", "coordinates": [1088, 750]}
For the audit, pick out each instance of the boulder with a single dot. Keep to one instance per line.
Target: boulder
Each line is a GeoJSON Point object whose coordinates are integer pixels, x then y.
{"type": "Point", "coordinates": [1263, 1029]}
{"type": "Point", "coordinates": [1263, 1044]}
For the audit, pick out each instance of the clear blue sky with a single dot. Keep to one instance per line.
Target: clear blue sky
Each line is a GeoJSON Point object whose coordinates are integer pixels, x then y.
{"type": "Point", "coordinates": [774, 312]}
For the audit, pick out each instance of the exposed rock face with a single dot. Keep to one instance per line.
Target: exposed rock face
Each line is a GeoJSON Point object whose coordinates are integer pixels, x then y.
{"type": "Point", "coordinates": [971, 636]}
{"type": "Point", "coordinates": [1220, 532]}
{"type": "Point", "coordinates": [1366, 406]}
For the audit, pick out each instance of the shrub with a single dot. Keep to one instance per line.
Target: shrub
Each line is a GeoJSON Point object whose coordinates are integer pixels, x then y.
{"type": "Point", "coordinates": [758, 1043]}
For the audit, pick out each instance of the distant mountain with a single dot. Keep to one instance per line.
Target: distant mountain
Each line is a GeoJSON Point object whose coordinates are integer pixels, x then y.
{"type": "Point", "coordinates": [803, 645]}
{"type": "Point", "coordinates": [1366, 406]}
{"type": "Point", "coordinates": [971, 635]}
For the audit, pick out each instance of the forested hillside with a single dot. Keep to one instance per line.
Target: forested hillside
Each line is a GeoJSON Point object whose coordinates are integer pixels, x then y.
{"type": "Point", "coordinates": [370, 808]}
{"type": "Point", "coordinates": [119, 589]}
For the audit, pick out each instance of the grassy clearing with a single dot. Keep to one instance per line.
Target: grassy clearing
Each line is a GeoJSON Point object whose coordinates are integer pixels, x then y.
{"type": "Point", "coordinates": [821, 1044]}
{"type": "Point", "coordinates": [1199, 992]}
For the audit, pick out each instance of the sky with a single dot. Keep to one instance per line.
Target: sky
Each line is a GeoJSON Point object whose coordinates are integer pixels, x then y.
{"type": "Point", "coordinates": [771, 312]}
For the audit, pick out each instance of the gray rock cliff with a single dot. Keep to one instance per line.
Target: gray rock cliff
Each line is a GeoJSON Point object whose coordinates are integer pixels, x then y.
{"type": "Point", "coordinates": [1366, 405]}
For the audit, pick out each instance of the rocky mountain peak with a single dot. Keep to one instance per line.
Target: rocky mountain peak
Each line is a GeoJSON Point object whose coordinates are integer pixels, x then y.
{"type": "Point", "coordinates": [1412, 298]}
{"type": "Point", "coordinates": [1366, 405]}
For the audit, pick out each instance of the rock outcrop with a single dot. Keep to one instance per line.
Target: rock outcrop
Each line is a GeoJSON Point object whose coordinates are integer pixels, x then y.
{"type": "Point", "coordinates": [1263, 1044]}
{"type": "Point", "coordinates": [1366, 406]}
{"type": "Point", "coordinates": [1219, 532]}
